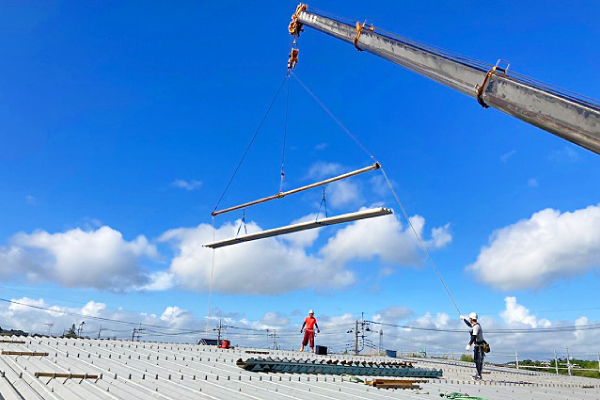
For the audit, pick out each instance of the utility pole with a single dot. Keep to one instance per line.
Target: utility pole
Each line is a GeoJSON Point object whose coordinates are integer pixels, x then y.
{"type": "Point", "coordinates": [49, 325]}
{"type": "Point", "coordinates": [380, 342]}
{"type": "Point", "coordinates": [219, 327]}
{"type": "Point", "coordinates": [100, 331]}
{"type": "Point", "coordinates": [356, 338]}
{"type": "Point", "coordinates": [80, 329]}
{"type": "Point", "coordinates": [599, 361]}
{"type": "Point", "coordinates": [568, 362]}
{"type": "Point", "coordinates": [275, 339]}
{"type": "Point", "coordinates": [517, 359]}
{"type": "Point", "coordinates": [137, 333]}
{"type": "Point", "coordinates": [556, 362]}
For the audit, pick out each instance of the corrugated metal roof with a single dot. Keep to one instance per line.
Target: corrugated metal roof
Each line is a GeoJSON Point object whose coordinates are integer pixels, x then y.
{"type": "Point", "coordinates": [142, 370]}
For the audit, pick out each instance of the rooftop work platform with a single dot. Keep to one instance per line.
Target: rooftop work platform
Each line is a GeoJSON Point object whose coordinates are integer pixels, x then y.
{"type": "Point", "coordinates": [53, 368]}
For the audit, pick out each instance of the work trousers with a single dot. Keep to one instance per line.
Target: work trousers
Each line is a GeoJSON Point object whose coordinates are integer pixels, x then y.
{"type": "Point", "coordinates": [478, 356]}
{"type": "Point", "coordinates": [309, 336]}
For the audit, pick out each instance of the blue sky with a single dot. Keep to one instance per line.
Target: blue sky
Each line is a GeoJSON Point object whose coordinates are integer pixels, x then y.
{"type": "Point", "coordinates": [122, 122]}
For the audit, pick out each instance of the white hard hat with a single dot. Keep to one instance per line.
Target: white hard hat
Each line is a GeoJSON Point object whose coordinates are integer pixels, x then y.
{"type": "Point", "coordinates": [473, 315]}
{"type": "Point", "coordinates": [311, 312]}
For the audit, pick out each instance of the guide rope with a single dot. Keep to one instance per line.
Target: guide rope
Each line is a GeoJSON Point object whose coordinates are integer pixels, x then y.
{"type": "Point", "coordinates": [366, 151]}
{"type": "Point", "coordinates": [210, 285]}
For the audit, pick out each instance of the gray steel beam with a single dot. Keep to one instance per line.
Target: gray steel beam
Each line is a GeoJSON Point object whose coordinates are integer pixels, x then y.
{"type": "Point", "coordinates": [302, 226]}
{"type": "Point", "coordinates": [569, 118]}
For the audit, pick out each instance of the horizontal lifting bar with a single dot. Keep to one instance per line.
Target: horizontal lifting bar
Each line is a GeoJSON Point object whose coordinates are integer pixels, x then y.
{"type": "Point", "coordinates": [300, 189]}
{"type": "Point", "coordinates": [370, 213]}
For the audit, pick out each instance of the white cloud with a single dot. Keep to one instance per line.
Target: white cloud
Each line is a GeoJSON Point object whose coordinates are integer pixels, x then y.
{"type": "Point", "coordinates": [98, 258]}
{"type": "Point", "coordinates": [533, 182]}
{"type": "Point", "coordinates": [261, 267]}
{"type": "Point", "coordinates": [380, 186]}
{"type": "Point", "coordinates": [439, 320]}
{"type": "Point", "coordinates": [176, 317]}
{"type": "Point", "coordinates": [535, 252]}
{"type": "Point", "coordinates": [393, 314]}
{"type": "Point", "coordinates": [30, 200]}
{"type": "Point", "coordinates": [440, 333]}
{"type": "Point", "coordinates": [93, 309]}
{"type": "Point", "coordinates": [440, 237]}
{"type": "Point", "coordinates": [383, 237]}
{"type": "Point", "coordinates": [321, 146]}
{"type": "Point", "coordinates": [504, 157]}
{"type": "Point", "coordinates": [518, 314]}
{"type": "Point", "coordinates": [567, 154]}
{"type": "Point", "coordinates": [322, 169]}
{"type": "Point", "coordinates": [278, 265]}
{"type": "Point", "coordinates": [342, 193]}
{"type": "Point", "coordinates": [187, 185]}
{"type": "Point", "coordinates": [158, 281]}
{"type": "Point", "coordinates": [304, 238]}
{"type": "Point", "coordinates": [274, 319]}
{"type": "Point", "coordinates": [38, 316]}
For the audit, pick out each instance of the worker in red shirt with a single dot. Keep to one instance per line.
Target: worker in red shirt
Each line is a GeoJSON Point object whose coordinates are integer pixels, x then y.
{"type": "Point", "coordinates": [308, 327]}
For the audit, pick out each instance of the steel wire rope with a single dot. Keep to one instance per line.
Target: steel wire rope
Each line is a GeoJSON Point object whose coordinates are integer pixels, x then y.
{"type": "Point", "coordinates": [366, 151]}
{"type": "Point", "coordinates": [285, 126]}
{"type": "Point", "coordinates": [45, 296]}
{"type": "Point", "coordinates": [251, 141]}
{"type": "Point", "coordinates": [358, 143]}
{"type": "Point", "coordinates": [212, 269]}
{"type": "Point", "coordinates": [286, 78]}
{"type": "Point", "coordinates": [421, 243]}
{"type": "Point", "coordinates": [568, 328]}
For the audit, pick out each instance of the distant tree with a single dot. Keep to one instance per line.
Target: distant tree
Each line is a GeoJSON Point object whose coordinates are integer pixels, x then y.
{"type": "Point", "coordinates": [71, 332]}
{"type": "Point", "coordinates": [466, 357]}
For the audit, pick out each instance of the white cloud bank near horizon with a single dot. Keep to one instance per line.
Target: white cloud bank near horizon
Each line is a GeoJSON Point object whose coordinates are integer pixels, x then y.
{"type": "Point", "coordinates": [439, 333]}
{"type": "Point", "coordinates": [533, 253]}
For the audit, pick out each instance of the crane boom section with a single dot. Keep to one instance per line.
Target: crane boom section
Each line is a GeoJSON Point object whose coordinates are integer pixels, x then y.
{"type": "Point", "coordinates": [566, 116]}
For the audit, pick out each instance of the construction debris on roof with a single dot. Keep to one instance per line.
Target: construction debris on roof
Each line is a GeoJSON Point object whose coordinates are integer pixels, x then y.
{"type": "Point", "coordinates": [111, 369]}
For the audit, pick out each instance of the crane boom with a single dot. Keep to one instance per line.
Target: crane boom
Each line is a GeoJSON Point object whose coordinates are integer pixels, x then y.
{"type": "Point", "coordinates": [566, 116]}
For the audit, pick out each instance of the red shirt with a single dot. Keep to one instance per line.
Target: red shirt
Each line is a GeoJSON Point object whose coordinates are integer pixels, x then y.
{"type": "Point", "coordinates": [310, 323]}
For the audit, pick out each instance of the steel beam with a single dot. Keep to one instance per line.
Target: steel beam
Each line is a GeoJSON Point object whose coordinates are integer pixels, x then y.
{"type": "Point", "coordinates": [370, 213]}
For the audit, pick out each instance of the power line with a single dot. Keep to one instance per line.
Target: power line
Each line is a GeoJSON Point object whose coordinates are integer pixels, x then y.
{"type": "Point", "coordinates": [570, 328]}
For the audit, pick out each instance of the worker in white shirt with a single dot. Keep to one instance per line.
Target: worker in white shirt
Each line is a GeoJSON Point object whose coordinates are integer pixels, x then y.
{"type": "Point", "coordinates": [476, 341]}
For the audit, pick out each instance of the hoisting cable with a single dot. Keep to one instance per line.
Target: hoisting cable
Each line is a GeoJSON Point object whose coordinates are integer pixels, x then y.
{"type": "Point", "coordinates": [287, 103]}
{"type": "Point", "coordinates": [358, 143]}
{"type": "Point", "coordinates": [364, 149]}
{"type": "Point", "coordinates": [251, 141]}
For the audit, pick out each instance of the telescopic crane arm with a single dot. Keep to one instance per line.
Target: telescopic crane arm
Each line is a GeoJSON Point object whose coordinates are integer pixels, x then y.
{"type": "Point", "coordinates": [569, 117]}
